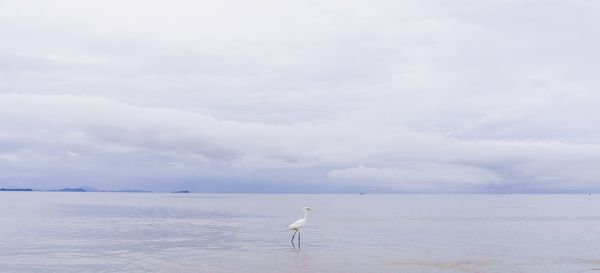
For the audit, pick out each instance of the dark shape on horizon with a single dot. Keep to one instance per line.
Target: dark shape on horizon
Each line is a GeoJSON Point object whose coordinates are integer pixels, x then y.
{"type": "Point", "coordinates": [3, 189]}
{"type": "Point", "coordinates": [186, 191]}
{"type": "Point", "coordinates": [362, 193]}
{"type": "Point", "coordinates": [89, 189]}
{"type": "Point", "coordinates": [73, 190]}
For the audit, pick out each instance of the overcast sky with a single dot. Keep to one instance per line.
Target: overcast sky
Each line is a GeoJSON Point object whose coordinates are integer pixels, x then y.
{"type": "Point", "coordinates": [301, 96]}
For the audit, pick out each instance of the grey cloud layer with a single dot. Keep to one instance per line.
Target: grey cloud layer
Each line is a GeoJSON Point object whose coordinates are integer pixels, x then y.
{"type": "Point", "coordinates": [83, 133]}
{"type": "Point", "coordinates": [300, 95]}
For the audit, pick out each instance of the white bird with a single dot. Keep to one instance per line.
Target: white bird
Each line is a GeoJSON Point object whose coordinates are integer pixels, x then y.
{"type": "Point", "coordinates": [296, 226]}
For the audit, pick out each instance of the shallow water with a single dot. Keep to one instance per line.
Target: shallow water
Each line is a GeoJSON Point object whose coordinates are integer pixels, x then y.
{"type": "Point", "coordinates": [156, 232]}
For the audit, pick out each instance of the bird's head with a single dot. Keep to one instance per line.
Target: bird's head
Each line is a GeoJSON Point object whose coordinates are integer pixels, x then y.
{"type": "Point", "coordinates": [307, 209]}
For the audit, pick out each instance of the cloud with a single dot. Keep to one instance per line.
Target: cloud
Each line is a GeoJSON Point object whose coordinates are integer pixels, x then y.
{"type": "Point", "coordinates": [176, 164]}
{"type": "Point", "coordinates": [9, 157]}
{"type": "Point", "coordinates": [73, 154]}
{"type": "Point", "coordinates": [331, 96]}
{"type": "Point", "coordinates": [425, 177]}
{"type": "Point", "coordinates": [133, 143]}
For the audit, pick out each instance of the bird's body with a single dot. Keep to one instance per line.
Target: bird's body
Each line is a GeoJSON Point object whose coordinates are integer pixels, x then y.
{"type": "Point", "coordinates": [299, 224]}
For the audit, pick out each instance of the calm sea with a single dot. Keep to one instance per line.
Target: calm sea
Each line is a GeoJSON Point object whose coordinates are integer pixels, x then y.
{"type": "Point", "coordinates": [180, 233]}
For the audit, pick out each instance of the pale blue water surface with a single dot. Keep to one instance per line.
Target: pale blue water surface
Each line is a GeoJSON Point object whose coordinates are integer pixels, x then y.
{"type": "Point", "coordinates": [180, 233]}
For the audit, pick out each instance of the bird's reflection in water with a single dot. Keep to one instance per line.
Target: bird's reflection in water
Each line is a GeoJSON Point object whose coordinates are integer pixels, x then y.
{"type": "Point", "coordinates": [300, 259]}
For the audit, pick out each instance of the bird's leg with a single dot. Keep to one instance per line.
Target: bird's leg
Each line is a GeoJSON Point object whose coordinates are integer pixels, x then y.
{"type": "Point", "coordinates": [299, 239]}
{"type": "Point", "coordinates": [294, 236]}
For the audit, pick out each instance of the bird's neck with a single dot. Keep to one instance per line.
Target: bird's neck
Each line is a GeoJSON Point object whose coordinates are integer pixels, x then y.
{"type": "Point", "coordinates": [305, 215]}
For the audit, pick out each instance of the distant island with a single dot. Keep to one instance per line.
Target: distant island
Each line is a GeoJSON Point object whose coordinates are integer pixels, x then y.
{"type": "Point", "coordinates": [73, 190]}
{"type": "Point", "coordinates": [90, 189]}
{"type": "Point", "coordinates": [83, 189]}
{"type": "Point", "coordinates": [69, 189]}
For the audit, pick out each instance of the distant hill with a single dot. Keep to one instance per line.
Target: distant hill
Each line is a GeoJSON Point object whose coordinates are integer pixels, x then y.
{"type": "Point", "coordinates": [73, 190]}
{"type": "Point", "coordinates": [186, 191]}
{"type": "Point", "coordinates": [80, 189]}
{"type": "Point", "coordinates": [90, 189]}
